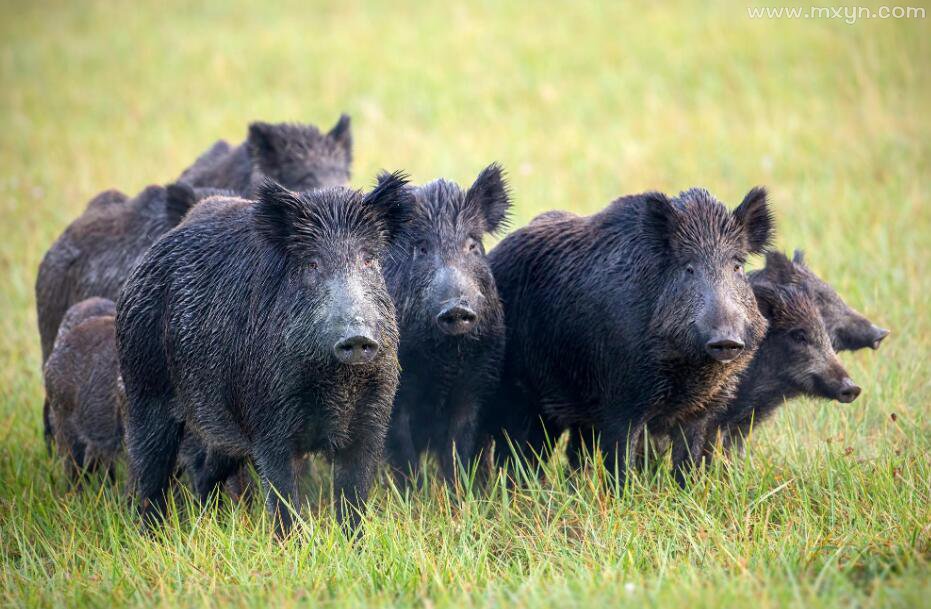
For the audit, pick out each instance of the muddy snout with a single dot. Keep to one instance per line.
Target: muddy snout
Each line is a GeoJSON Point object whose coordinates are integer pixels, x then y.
{"type": "Point", "coordinates": [847, 391]}
{"type": "Point", "coordinates": [724, 348]}
{"type": "Point", "coordinates": [456, 319]}
{"type": "Point", "coordinates": [356, 347]}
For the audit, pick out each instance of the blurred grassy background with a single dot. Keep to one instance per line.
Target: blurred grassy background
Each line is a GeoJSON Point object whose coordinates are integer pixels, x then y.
{"type": "Point", "coordinates": [581, 102]}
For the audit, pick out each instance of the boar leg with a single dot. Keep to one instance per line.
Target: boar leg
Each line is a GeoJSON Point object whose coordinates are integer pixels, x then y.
{"type": "Point", "coordinates": [620, 441]}
{"type": "Point", "coordinates": [735, 435]}
{"type": "Point", "coordinates": [217, 467]}
{"type": "Point", "coordinates": [276, 471]}
{"type": "Point", "coordinates": [152, 441]}
{"type": "Point", "coordinates": [582, 444]}
{"type": "Point", "coordinates": [355, 469]}
{"type": "Point", "coordinates": [688, 441]}
{"type": "Point", "coordinates": [403, 455]}
{"type": "Point", "coordinates": [47, 430]}
{"type": "Point", "coordinates": [459, 444]}
{"type": "Point", "coordinates": [75, 460]}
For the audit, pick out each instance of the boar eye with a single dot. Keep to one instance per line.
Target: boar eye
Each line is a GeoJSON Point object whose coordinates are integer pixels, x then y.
{"type": "Point", "coordinates": [368, 261]}
{"type": "Point", "coordinates": [421, 248]}
{"type": "Point", "coordinates": [799, 336]}
{"type": "Point", "coordinates": [473, 245]}
{"type": "Point", "coordinates": [314, 264]}
{"type": "Point", "coordinates": [690, 269]}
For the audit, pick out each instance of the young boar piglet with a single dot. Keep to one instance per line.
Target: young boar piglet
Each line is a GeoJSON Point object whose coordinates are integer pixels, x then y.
{"type": "Point", "coordinates": [265, 328]}
{"type": "Point", "coordinates": [796, 358]}
{"type": "Point", "coordinates": [640, 315]}
{"type": "Point", "coordinates": [297, 156]}
{"type": "Point", "coordinates": [849, 330]}
{"type": "Point", "coordinates": [450, 320]}
{"type": "Point", "coordinates": [95, 253]}
{"type": "Point", "coordinates": [83, 393]}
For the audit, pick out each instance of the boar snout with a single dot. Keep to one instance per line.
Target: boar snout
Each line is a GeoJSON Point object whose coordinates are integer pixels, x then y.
{"type": "Point", "coordinates": [724, 348]}
{"type": "Point", "coordinates": [848, 391]}
{"type": "Point", "coordinates": [878, 335]}
{"type": "Point", "coordinates": [835, 384]}
{"type": "Point", "coordinates": [356, 348]}
{"type": "Point", "coordinates": [857, 332]}
{"type": "Point", "coordinates": [456, 297]}
{"type": "Point", "coordinates": [456, 319]}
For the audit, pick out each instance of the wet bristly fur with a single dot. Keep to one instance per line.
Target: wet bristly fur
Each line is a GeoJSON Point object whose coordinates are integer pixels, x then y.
{"type": "Point", "coordinates": [601, 321]}
{"type": "Point", "coordinates": [298, 156]}
{"type": "Point", "coordinates": [445, 378]}
{"type": "Point", "coordinates": [95, 253]}
{"type": "Point", "coordinates": [849, 329]}
{"type": "Point", "coordinates": [81, 375]}
{"type": "Point", "coordinates": [795, 358]}
{"type": "Point", "coordinates": [226, 331]}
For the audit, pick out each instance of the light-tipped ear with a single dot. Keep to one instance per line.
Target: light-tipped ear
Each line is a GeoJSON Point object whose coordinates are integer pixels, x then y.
{"type": "Point", "coordinates": [659, 221]}
{"type": "Point", "coordinates": [754, 216]}
{"type": "Point", "coordinates": [490, 194]}
{"type": "Point", "coordinates": [392, 201]}
{"type": "Point", "coordinates": [276, 210]}
{"type": "Point", "coordinates": [179, 199]}
{"type": "Point", "coordinates": [798, 257]}
{"type": "Point", "coordinates": [341, 133]}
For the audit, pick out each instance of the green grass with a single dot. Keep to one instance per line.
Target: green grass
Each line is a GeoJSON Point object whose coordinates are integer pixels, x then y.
{"type": "Point", "coordinates": [581, 102]}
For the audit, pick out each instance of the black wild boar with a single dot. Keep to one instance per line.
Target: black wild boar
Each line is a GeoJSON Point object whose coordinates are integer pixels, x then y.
{"type": "Point", "coordinates": [449, 317]}
{"type": "Point", "coordinates": [848, 329]}
{"type": "Point", "coordinates": [265, 329]}
{"type": "Point", "coordinates": [83, 393]}
{"type": "Point", "coordinates": [640, 315]}
{"type": "Point", "coordinates": [795, 358]}
{"type": "Point", "coordinates": [297, 156]}
{"type": "Point", "coordinates": [94, 255]}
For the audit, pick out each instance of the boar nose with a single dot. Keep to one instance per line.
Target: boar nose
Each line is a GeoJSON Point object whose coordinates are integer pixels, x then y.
{"type": "Point", "coordinates": [878, 335]}
{"type": "Point", "coordinates": [848, 391]}
{"type": "Point", "coordinates": [456, 319]}
{"type": "Point", "coordinates": [356, 349]}
{"type": "Point", "coordinates": [724, 349]}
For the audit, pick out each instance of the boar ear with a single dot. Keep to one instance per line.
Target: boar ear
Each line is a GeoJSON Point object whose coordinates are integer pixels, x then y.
{"type": "Point", "coordinates": [779, 268]}
{"type": "Point", "coordinates": [768, 300]}
{"type": "Point", "coordinates": [490, 194]}
{"type": "Point", "coordinates": [660, 218]}
{"type": "Point", "coordinates": [798, 257]}
{"type": "Point", "coordinates": [392, 201]}
{"type": "Point", "coordinates": [276, 210]}
{"type": "Point", "coordinates": [341, 133]}
{"type": "Point", "coordinates": [179, 199]}
{"type": "Point", "coordinates": [754, 216]}
{"type": "Point", "coordinates": [264, 142]}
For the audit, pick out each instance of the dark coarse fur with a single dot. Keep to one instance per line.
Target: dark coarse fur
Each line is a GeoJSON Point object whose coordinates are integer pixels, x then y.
{"type": "Point", "coordinates": [94, 255]}
{"type": "Point", "coordinates": [450, 319]}
{"type": "Point", "coordinates": [795, 358]}
{"type": "Point", "coordinates": [849, 330]}
{"type": "Point", "coordinates": [83, 393]}
{"type": "Point", "coordinates": [610, 321]}
{"type": "Point", "coordinates": [232, 328]}
{"type": "Point", "coordinates": [297, 156]}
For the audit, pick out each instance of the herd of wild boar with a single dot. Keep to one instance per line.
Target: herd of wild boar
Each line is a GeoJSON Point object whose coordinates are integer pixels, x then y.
{"type": "Point", "coordinates": [257, 310]}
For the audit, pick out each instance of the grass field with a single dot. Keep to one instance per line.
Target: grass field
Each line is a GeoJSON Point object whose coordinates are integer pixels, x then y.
{"type": "Point", "coordinates": [581, 103]}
